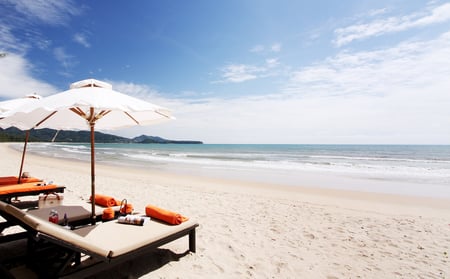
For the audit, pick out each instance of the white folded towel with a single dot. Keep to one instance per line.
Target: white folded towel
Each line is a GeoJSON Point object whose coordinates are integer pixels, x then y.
{"type": "Point", "coordinates": [133, 220]}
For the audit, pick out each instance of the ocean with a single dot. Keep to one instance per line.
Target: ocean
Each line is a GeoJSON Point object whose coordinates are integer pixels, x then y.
{"type": "Point", "coordinates": [405, 169]}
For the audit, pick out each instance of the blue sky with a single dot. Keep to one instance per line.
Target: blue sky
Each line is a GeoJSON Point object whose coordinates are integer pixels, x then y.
{"type": "Point", "coordinates": [246, 71]}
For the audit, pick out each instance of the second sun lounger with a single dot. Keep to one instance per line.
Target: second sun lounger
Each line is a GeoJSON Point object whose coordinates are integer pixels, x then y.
{"type": "Point", "coordinates": [106, 243]}
{"type": "Point", "coordinates": [27, 189]}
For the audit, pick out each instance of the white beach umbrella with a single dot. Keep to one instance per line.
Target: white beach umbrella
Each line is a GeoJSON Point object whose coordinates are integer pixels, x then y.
{"type": "Point", "coordinates": [8, 105]}
{"type": "Point", "coordinates": [16, 103]}
{"type": "Point", "coordinates": [87, 105]}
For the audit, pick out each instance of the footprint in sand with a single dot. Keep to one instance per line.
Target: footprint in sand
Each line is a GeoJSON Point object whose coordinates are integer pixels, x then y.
{"type": "Point", "coordinates": [309, 235]}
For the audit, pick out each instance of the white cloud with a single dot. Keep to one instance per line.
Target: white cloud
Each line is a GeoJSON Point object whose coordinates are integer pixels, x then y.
{"type": "Point", "coordinates": [392, 24]}
{"type": "Point", "coordinates": [272, 62]}
{"type": "Point", "coordinates": [9, 42]}
{"type": "Point", "coordinates": [16, 73]}
{"type": "Point", "coordinates": [276, 47]}
{"type": "Point", "coordinates": [66, 60]}
{"type": "Point", "coordinates": [52, 12]}
{"type": "Point", "coordinates": [19, 31]}
{"type": "Point", "coordinates": [81, 39]}
{"type": "Point", "coordinates": [410, 64]}
{"type": "Point", "coordinates": [395, 95]}
{"type": "Point", "coordinates": [314, 119]}
{"type": "Point", "coordinates": [237, 73]}
{"type": "Point", "coordinates": [377, 12]}
{"type": "Point", "coordinates": [257, 48]}
{"type": "Point", "coordinates": [16, 79]}
{"type": "Point", "coordinates": [240, 72]}
{"type": "Point", "coordinates": [140, 91]}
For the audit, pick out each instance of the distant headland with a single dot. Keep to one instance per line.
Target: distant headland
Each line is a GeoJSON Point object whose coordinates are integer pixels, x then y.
{"type": "Point", "coordinates": [50, 135]}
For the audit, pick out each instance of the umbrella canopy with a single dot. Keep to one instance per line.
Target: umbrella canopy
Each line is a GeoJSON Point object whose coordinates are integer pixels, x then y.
{"type": "Point", "coordinates": [87, 105]}
{"type": "Point", "coordinates": [71, 109]}
{"type": "Point", "coordinates": [8, 105]}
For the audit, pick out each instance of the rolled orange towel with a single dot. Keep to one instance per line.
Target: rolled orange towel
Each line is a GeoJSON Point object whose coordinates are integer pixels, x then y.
{"type": "Point", "coordinates": [164, 215]}
{"type": "Point", "coordinates": [108, 214]}
{"type": "Point", "coordinates": [103, 200]}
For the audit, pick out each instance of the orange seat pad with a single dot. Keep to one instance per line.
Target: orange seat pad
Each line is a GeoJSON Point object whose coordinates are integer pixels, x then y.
{"type": "Point", "coordinates": [24, 187]}
{"type": "Point", "coordinates": [11, 180]}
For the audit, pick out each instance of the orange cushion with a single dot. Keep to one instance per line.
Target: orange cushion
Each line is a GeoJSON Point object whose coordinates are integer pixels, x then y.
{"type": "Point", "coordinates": [24, 187]}
{"type": "Point", "coordinates": [11, 180]}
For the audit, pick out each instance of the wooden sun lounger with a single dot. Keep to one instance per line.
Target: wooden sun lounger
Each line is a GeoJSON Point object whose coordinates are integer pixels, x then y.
{"type": "Point", "coordinates": [8, 192]}
{"type": "Point", "coordinates": [106, 243]}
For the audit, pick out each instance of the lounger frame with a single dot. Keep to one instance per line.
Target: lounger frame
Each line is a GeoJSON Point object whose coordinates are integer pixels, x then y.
{"type": "Point", "coordinates": [102, 263]}
{"type": "Point", "coordinates": [35, 192]}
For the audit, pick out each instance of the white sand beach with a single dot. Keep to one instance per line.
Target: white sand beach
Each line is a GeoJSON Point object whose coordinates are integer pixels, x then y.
{"type": "Point", "coordinates": [256, 230]}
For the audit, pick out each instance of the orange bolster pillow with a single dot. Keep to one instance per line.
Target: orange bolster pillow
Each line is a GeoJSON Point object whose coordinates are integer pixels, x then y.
{"type": "Point", "coordinates": [164, 215]}
{"type": "Point", "coordinates": [103, 200]}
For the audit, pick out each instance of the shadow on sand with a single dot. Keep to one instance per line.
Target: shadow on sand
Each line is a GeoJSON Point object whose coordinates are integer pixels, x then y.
{"type": "Point", "coordinates": [133, 268]}
{"type": "Point", "coordinates": [140, 266]}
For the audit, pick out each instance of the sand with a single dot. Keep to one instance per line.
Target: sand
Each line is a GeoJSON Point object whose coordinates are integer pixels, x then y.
{"type": "Point", "coordinates": [256, 230]}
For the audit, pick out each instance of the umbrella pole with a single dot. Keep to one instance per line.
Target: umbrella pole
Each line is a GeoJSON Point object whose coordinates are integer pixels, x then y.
{"type": "Point", "coordinates": [27, 135]}
{"type": "Point", "coordinates": [93, 217]}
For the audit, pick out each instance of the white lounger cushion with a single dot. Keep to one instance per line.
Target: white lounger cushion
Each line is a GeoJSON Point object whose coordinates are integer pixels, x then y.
{"type": "Point", "coordinates": [122, 238]}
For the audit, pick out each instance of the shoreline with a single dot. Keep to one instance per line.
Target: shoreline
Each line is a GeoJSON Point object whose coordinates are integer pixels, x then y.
{"type": "Point", "coordinates": [263, 230]}
{"type": "Point", "coordinates": [334, 179]}
{"type": "Point", "coordinates": [206, 180]}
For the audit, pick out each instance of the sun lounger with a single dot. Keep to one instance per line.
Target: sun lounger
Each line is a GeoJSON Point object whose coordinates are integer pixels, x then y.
{"type": "Point", "coordinates": [27, 189]}
{"type": "Point", "coordinates": [106, 243]}
{"type": "Point", "coordinates": [11, 180]}
{"type": "Point", "coordinates": [9, 192]}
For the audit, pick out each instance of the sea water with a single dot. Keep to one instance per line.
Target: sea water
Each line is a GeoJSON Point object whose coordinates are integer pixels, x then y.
{"type": "Point", "coordinates": [406, 169]}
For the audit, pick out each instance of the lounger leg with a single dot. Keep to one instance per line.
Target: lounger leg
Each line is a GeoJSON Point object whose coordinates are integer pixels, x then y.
{"type": "Point", "coordinates": [4, 225]}
{"type": "Point", "coordinates": [77, 258]}
{"type": "Point", "coordinates": [69, 259]}
{"type": "Point", "coordinates": [192, 240]}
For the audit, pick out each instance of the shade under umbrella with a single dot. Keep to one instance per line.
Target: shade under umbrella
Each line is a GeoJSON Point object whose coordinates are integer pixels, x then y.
{"type": "Point", "coordinates": [87, 105]}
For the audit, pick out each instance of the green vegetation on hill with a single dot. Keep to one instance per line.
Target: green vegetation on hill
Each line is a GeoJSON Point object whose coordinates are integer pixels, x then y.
{"type": "Point", "coordinates": [48, 135]}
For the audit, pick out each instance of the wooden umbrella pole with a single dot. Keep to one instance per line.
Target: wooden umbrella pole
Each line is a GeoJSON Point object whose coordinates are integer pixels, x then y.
{"type": "Point", "coordinates": [93, 217]}
{"type": "Point", "coordinates": [27, 135]}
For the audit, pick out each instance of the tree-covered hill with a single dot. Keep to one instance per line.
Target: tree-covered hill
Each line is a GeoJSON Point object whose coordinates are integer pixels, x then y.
{"type": "Point", "coordinates": [48, 135]}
